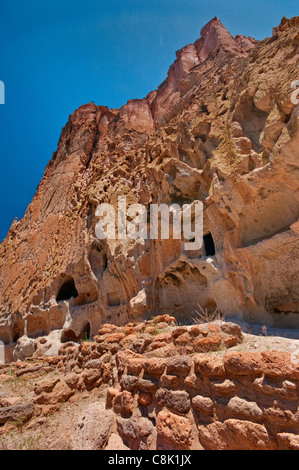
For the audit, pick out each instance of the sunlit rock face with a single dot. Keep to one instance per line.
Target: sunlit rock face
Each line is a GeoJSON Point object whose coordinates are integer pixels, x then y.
{"type": "Point", "coordinates": [221, 129]}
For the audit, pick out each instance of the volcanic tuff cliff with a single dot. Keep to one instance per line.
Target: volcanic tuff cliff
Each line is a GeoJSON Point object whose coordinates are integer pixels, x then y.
{"type": "Point", "coordinates": [221, 129]}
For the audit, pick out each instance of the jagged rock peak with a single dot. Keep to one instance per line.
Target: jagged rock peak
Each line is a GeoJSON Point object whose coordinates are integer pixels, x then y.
{"type": "Point", "coordinates": [214, 36]}
{"type": "Point", "coordinates": [285, 24]}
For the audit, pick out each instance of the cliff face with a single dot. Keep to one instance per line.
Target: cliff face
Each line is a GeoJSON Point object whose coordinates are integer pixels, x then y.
{"type": "Point", "coordinates": [221, 129]}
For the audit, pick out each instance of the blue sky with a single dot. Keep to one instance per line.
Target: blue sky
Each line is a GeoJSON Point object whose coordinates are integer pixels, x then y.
{"type": "Point", "coordinates": [56, 55]}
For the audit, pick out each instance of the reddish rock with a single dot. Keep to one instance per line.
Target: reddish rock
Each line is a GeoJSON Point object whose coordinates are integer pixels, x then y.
{"type": "Point", "coordinates": [165, 337]}
{"type": "Point", "coordinates": [194, 381]}
{"type": "Point", "coordinates": [281, 416]}
{"type": "Point", "coordinates": [110, 396]}
{"type": "Point", "coordinates": [128, 330]}
{"type": "Point", "coordinates": [204, 404]}
{"type": "Point", "coordinates": [231, 341]}
{"type": "Point", "coordinates": [135, 366]}
{"type": "Point", "coordinates": [241, 408]}
{"type": "Point", "coordinates": [231, 329]}
{"type": "Point", "coordinates": [164, 318]}
{"type": "Point", "coordinates": [210, 366]}
{"type": "Point", "coordinates": [179, 331]}
{"type": "Point", "coordinates": [156, 345]}
{"type": "Point", "coordinates": [179, 365]}
{"type": "Point", "coordinates": [107, 328]}
{"type": "Point", "coordinates": [147, 385]}
{"type": "Point", "coordinates": [277, 364]}
{"type": "Point", "coordinates": [114, 337]}
{"type": "Point", "coordinates": [243, 363]}
{"type": "Point", "coordinates": [75, 398]}
{"type": "Point", "coordinates": [126, 357]}
{"type": "Point", "coordinates": [85, 349]}
{"type": "Point", "coordinates": [59, 394]}
{"type": "Point", "coordinates": [182, 340]}
{"type": "Point", "coordinates": [71, 380]}
{"type": "Point", "coordinates": [173, 430]}
{"type": "Point", "coordinates": [45, 385]}
{"type": "Point", "coordinates": [223, 388]}
{"type": "Point", "coordinates": [235, 434]}
{"type": "Point", "coordinates": [124, 403]}
{"type": "Point", "coordinates": [10, 401]}
{"type": "Point", "coordinates": [91, 377]}
{"type": "Point", "coordinates": [169, 381]}
{"type": "Point", "coordinates": [95, 355]}
{"type": "Point", "coordinates": [212, 343]}
{"type": "Point", "coordinates": [154, 366]}
{"type": "Point", "coordinates": [151, 330]}
{"type": "Point", "coordinates": [204, 331]}
{"type": "Point", "coordinates": [115, 442]}
{"type": "Point", "coordinates": [106, 372]}
{"type": "Point", "coordinates": [213, 328]}
{"type": "Point", "coordinates": [49, 410]}
{"type": "Point", "coordinates": [195, 330]}
{"type": "Point", "coordinates": [144, 398]}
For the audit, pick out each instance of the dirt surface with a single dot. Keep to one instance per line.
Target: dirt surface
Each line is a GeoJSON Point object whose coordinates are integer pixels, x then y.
{"type": "Point", "coordinates": [52, 429]}
{"type": "Point", "coordinates": [261, 338]}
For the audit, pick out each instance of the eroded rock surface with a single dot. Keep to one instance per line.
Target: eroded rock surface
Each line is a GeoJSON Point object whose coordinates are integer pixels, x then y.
{"type": "Point", "coordinates": [221, 129]}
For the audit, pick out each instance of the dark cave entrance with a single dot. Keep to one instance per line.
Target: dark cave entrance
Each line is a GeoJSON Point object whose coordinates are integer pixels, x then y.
{"type": "Point", "coordinates": [85, 332]}
{"type": "Point", "coordinates": [67, 291]}
{"type": "Point", "coordinates": [209, 244]}
{"type": "Point", "coordinates": [70, 335]}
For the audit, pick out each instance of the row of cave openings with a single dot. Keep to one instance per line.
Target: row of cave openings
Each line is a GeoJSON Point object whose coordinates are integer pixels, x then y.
{"type": "Point", "coordinates": [68, 289]}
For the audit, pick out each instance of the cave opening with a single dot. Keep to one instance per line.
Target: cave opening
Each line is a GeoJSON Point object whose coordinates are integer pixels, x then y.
{"type": "Point", "coordinates": [16, 337]}
{"type": "Point", "coordinates": [204, 109]}
{"type": "Point", "coordinates": [85, 332]}
{"type": "Point", "coordinates": [67, 291]}
{"type": "Point", "coordinates": [209, 244]}
{"type": "Point", "coordinates": [70, 336]}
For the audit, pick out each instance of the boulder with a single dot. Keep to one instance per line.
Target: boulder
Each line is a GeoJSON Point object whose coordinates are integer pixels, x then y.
{"type": "Point", "coordinates": [93, 428]}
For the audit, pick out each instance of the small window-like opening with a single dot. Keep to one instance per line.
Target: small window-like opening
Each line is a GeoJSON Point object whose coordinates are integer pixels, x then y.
{"type": "Point", "coordinates": [209, 244]}
{"type": "Point", "coordinates": [204, 109]}
{"type": "Point", "coordinates": [16, 337]}
{"type": "Point", "coordinates": [67, 291]}
{"type": "Point", "coordinates": [68, 335]}
{"type": "Point", "coordinates": [85, 332]}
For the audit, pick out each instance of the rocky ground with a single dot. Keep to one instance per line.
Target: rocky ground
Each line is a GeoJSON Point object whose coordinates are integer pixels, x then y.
{"type": "Point", "coordinates": [45, 400]}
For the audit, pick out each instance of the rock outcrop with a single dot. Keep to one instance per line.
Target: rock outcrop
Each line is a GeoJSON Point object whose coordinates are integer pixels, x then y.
{"type": "Point", "coordinates": [221, 129]}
